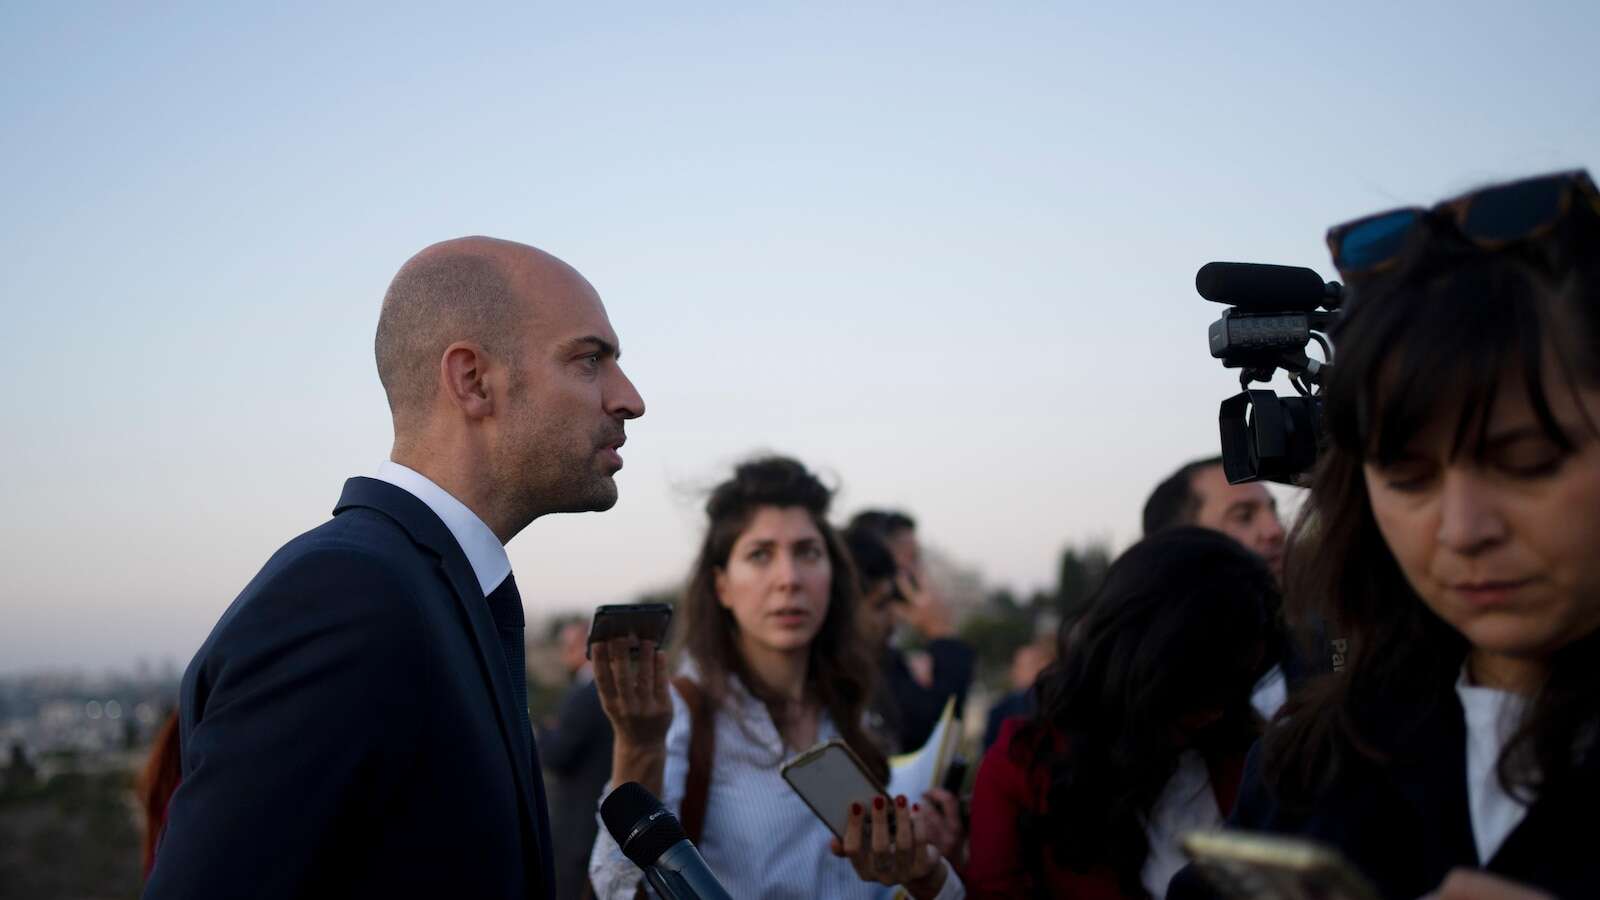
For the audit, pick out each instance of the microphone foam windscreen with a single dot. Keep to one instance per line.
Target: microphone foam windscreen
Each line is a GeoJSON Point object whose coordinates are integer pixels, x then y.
{"type": "Point", "coordinates": [629, 809]}
{"type": "Point", "coordinates": [1260, 287]}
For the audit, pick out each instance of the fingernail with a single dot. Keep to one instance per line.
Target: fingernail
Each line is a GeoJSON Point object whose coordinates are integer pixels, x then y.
{"type": "Point", "coordinates": [900, 801]}
{"type": "Point", "coordinates": [855, 809]}
{"type": "Point", "coordinates": [916, 807]}
{"type": "Point", "coordinates": [877, 803]}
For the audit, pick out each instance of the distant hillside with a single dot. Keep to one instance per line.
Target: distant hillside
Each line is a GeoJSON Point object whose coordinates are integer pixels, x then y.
{"type": "Point", "coordinates": [71, 837]}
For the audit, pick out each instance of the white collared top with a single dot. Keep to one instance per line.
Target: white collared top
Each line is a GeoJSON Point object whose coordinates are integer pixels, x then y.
{"type": "Point", "coordinates": [484, 551]}
{"type": "Point", "coordinates": [1491, 717]}
{"type": "Point", "coordinates": [760, 839]}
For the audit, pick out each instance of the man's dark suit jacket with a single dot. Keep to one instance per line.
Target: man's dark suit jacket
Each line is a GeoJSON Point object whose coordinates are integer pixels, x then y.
{"type": "Point", "coordinates": [348, 728]}
{"type": "Point", "coordinates": [577, 753]}
{"type": "Point", "coordinates": [1405, 825]}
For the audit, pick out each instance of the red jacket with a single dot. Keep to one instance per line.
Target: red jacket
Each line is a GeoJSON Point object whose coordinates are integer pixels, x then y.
{"type": "Point", "coordinates": [1005, 792]}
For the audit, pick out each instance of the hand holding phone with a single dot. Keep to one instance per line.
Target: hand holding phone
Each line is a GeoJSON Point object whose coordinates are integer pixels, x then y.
{"type": "Point", "coordinates": [829, 777]}
{"type": "Point", "coordinates": [631, 679]}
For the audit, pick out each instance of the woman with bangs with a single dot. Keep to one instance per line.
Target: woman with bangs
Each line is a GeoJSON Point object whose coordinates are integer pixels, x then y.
{"type": "Point", "coordinates": [772, 664]}
{"type": "Point", "coordinates": [1452, 539]}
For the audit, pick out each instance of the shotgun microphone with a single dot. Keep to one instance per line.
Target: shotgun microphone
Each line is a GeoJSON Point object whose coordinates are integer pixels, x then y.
{"type": "Point", "coordinates": [1262, 288]}
{"type": "Point", "coordinates": [649, 834]}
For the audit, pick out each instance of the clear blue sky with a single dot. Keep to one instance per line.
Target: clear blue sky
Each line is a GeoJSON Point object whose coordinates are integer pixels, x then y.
{"type": "Point", "coordinates": [944, 253]}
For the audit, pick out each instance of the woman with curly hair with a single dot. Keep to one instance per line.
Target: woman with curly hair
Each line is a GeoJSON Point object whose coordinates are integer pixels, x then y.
{"type": "Point", "coordinates": [772, 664]}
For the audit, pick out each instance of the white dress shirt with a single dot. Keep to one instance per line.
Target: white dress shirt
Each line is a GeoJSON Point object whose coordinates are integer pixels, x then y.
{"type": "Point", "coordinates": [760, 839]}
{"type": "Point", "coordinates": [1491, 718]}
{"type": "Point", "coordinates": [484, 551]}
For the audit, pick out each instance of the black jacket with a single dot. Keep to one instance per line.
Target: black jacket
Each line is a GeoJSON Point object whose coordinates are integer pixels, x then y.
{"type": "Point", "coordinates": [1405, 824]}
{"type": "Point", "coordinates": [348, 728]}
{"type": "Point", "coordinates": [909, 710]}
{"type": "Point", "coordinates": [577, 754]}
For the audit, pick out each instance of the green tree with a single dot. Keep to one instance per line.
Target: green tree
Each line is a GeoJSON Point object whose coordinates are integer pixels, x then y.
{"type": "Point", "coordinates": [996, 631]}
{"type": "Point", "coordinates": [1079, 576]}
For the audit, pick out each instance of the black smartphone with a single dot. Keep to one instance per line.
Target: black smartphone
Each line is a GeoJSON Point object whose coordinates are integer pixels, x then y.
{"type": "Point", "coordinates": [641, 621]}
{"type": "Point", "coordinates": [955, 777]}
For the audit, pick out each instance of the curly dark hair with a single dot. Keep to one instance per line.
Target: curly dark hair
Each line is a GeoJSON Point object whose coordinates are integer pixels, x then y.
{"type": "Point", "coordinates": [1180, 627]}
{"type": "Point", "coordinates": [840, 672]}
{"type": "Point", "coordinates": [1435, 336]}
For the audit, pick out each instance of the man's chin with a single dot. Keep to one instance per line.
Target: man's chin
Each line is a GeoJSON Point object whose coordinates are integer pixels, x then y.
{"type": "Point", "coordinates": [577, 492]}
{"type": "Point", "coordinates": [599, 495]}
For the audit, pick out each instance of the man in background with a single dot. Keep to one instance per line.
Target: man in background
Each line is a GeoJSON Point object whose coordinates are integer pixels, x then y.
{"type": "Point", "coordinates": [1199, 494]}
{"type": "Point", "coordinates": [910, 701]}
{"type": "Point", "coordinates": [1026, 663]}
{"type": "Point", "coordinates": [576, 749]}
{"type": "Point", "coordinates": [356, 725]}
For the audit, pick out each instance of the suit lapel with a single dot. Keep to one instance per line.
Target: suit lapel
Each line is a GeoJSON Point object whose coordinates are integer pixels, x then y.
{"type": "Point", "coordinates": [541, 815]}
{"type": "Point", "coordinates": [426, 529]}
{"type": "Point", "coordinates": [492, 660]}
{"type": "Point", "coordinates": [1556, 824]}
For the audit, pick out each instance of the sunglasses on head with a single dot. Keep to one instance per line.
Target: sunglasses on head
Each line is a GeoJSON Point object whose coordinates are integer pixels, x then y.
{"type": "Point", "coordinates": [1491, 219]}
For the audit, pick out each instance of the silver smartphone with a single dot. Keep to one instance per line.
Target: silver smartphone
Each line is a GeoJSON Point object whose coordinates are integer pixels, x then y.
{"type": "Point", "coordinates": [829, 777]}
{"type": "Point", "coordinates": [1247, 866]}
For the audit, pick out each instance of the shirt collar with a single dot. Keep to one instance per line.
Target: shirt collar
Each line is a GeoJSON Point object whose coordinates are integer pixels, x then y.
{"type": "Point", "coordinates": [1487, 706]}
{"type": "Point", "coordinates": [485, 553]}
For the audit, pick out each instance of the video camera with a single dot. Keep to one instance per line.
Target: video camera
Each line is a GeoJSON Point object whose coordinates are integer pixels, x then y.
{"type": "Point", "coordinates": [1276, 312]}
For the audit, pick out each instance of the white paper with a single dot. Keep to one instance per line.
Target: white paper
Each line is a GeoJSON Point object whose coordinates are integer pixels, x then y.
{"type": "Point", "coordinates": [912, 774]}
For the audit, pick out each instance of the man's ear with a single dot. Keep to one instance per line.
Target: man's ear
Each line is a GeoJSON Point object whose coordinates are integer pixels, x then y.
{"type": "Point", "coordinates": [463, 369]}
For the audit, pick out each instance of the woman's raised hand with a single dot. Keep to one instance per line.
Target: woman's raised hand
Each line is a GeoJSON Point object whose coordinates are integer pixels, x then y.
{"type": "Point", "coordinates": [631, 678]}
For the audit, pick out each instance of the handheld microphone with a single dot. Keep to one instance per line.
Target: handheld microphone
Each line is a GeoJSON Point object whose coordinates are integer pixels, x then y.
{"type": "Point", "coordinates": [1258, 287]}
{"type": "Point", "coordinates": [651, 836]}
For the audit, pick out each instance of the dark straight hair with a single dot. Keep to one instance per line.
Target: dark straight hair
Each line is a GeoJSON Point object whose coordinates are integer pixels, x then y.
{"type": "Point", "coordinates": [871, 556]}
{"type": "Point", "coordinates": [882, 522]}
{"type": "Point", "coordinates": [1437, 336]}
{"type": "Point", "coordinates": [1180, 626]}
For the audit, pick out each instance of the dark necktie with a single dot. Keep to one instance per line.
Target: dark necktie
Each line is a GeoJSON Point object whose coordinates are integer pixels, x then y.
{"type": "Point", "coordinates": [505, 604]}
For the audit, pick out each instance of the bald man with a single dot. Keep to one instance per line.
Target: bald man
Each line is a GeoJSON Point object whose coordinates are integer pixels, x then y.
{"type": "Point", "coordinates": [356, 725]}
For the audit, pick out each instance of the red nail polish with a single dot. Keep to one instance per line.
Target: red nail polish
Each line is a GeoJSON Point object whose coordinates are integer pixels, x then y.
{"type": "Point", "coordinates": [877, 803]}
{"type": "Point", "coordinates": [900, 801]}
{"type": "Point", "coordinates": [916, 807]}
{"type": "Point", "coordinates": [855, 809]}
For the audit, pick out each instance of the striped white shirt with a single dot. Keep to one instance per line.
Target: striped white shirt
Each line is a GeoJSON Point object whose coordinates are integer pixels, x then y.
{"type": "Point", "coordinates": [760, 840]}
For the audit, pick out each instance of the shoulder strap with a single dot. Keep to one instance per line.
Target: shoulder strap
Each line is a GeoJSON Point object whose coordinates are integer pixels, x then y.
{"type": "Point", "coordinates": [702, 750]}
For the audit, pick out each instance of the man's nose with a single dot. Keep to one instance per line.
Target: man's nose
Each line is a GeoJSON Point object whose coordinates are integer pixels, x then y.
{"type": "Point", "coordinates": [623, 400]}
{"type": "Point", "coordinates": [1271, 533]}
